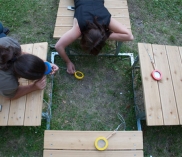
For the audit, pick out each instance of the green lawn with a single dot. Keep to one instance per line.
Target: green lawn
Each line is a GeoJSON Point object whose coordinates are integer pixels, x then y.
{"type": "Point", "coordinates": [74, 102]}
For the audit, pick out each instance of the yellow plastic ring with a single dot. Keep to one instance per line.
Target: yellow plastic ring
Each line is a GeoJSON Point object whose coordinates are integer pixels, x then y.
{"type": "Point", "coordinates": [97, 146]}
{"type": "Point", "coordinates": [79, 75]}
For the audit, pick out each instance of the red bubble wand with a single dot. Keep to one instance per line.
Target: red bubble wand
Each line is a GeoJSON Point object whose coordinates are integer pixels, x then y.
{"type": "Point", "coordinates": [156, 74]}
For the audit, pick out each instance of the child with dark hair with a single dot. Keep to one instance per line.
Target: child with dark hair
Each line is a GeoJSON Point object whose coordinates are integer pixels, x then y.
{"type": "Point", "coordinates": [94, 24]}
{"type": "Point", "coordinates": [15, 64]}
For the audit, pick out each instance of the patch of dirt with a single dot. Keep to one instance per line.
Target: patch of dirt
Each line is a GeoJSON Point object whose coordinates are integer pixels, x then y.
{"type": "Point", "coordinates": [96, 100]}
{"type": "Point", "coordinates": [15, 144]}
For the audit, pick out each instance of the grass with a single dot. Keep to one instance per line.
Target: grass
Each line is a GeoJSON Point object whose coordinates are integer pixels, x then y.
{"type": "Point", "coordinates": [29, 21]}
{"type": "Point", "coordinates": [75, 106]}
{"type": "Point", "coordinates": [84, 104]}
{"type": "Point", "coordinates": [156, 21]}
{"type": "Point", "coordinates": [21, 141]}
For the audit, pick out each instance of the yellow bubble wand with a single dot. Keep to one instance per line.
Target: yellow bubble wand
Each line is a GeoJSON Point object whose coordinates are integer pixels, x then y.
{"type": "Point", "coordinates": [78, 74]}
{"type": "Point", "coordinates": [101, 143]}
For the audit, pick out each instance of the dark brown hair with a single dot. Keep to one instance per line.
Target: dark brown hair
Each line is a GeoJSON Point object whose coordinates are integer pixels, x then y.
{"type": "Point", "coordinates": [6, 56]}
{"type": "Point", "coordinates": [27, 66]}
{"type": "Point", "coordinates": [94, 37]}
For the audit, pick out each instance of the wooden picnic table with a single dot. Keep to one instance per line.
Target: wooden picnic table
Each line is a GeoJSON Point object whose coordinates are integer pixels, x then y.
{"type": "Point", "coordinates": [64, 20]}
{"type": "Point", "coordinates": [26, 110]}
{"type": "Point", "coordinates": [162, 99]}
{"type": "Point", "coordinates": [81, 144]}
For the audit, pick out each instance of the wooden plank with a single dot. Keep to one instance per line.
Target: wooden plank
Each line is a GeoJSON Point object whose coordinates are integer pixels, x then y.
{"type": "Point", "coordinates": [153, 106]}
{"type": "Point", "coordinates": [64, 21]}
{"type": "Point", "coordinates": [27, 48]}
{"type": "Point", "coordinates": [65, 12]}
{"type": "Point", "coordinates": [5, 111]}
{"type": "Point", "coordinates": [59, 31]}
{"type": "Point", "coordinates": [166, 90]}
{"type": "Point", "coordinates": [68, 21]}
{"type": "Point", "coordinates": [116, 4]}
{"type": "Point", "coordinates": [34, 108]}
{"type": "Point", "coordinates": [119, 12]}
{"type": "Point", "coordinates": [175, 64]}
{"type": "Point", "coordinates": [108, 3]}
{"type": "Point", "coordinates": [40, 50]}
{"type": "Point", "coordinates": [17, 109]}
{"type": "Point", "coordinates": [117, 8]}
{"type": "Point", "coordinates": [122, 140]}
{"type": "Point", "coordinates": [115, 12]}
{"type": "Point", "coordinates": [71, 153]}
{"type": "Point", "coordinates": [124, 21]}
{"type": "Point", "coordinates": [65, 3]}
{"type": "Point", "coordinates": [35, 99]}
{"type": "Point", "coordinates": [180, 50]}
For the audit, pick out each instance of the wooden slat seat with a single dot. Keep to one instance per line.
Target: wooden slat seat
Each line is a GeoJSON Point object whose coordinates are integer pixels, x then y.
{"type": "Point", "coordinates": [81, 144]}
{"type": "Point", "coordinates": [64, 20]}
{"type": "Point", "coordinates": [162, 99]}
{"type": "Point", "coordinates": [27, 110]}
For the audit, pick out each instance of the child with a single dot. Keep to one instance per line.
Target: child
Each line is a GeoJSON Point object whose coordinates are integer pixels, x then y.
{"type": "Point", "coordinates": [15, 64]}
{"type": "Point", "coordinates": [94, 24]}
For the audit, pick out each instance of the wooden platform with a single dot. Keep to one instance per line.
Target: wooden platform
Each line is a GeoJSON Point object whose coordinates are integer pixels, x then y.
{"type": "Point", "coordinates": [26, 110]}
{"type": "Point", "coordinates": [81, 144]}
{"type": "Point", "coordinates": [64, 20]}
{"type": "Point", "coordinates": [163, 100]}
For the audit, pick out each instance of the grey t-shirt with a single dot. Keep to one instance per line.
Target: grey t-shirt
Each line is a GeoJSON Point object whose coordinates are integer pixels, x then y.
{"type": "Point", "coordinates": [8, 82]}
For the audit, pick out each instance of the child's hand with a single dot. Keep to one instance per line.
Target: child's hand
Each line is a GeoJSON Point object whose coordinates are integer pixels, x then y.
{"type": "Point", "coordinates": [55, 68]}
{"type": "Point", "coordinates": [40, 84]}
{"type": "Point", "coordinates": [70, 68]}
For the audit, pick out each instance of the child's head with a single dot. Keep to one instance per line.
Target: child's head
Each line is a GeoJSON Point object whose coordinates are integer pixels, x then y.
{"type": "Point", "coordinates": [93, 39]}
{"type": "Point", "coordinates": [29, 67]}
{"type": "Point", "coordinates": [6, 55]}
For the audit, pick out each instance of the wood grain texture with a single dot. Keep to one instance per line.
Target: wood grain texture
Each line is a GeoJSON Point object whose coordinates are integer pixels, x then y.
{"type": "Point", "coordinates": [81, 144]}
{"type": "Point", "coordinates": [175, 65]}
{"type": "Point", "coordinates": [17, 109]}
{"type": "Point", "coordinates": [35, 99]}
{"type": "Point", "coordinates": [86, 153]}
{"type": "Point", "coordinates": [27, 48]}
{"type": "Point", "coordinates": [166, 90]}
{"type": "Point", "coordinates": [26, 110]}
{"type": "Point", "coordinates": [4, 114]}
{"type": "Point", "coordinates": [162, 98]}
{"type": "Point", "coordinates": [64, 20]}
{"type": "Point", "coordinates": [151, 93]}
{"type": "Point", "coordinates": [77, 140]}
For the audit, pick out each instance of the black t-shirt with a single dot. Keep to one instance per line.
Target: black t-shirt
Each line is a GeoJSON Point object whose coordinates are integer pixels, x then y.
{"type": "Point", "coordinates": [87, 10]}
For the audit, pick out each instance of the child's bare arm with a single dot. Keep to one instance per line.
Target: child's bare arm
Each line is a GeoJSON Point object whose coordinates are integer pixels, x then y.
{"type": "Point", "coordinates": [23, 90]}
{"type": "Point", "coordinates": [64, 41]}
{"type": "Point", "coordinates": [120, 32]}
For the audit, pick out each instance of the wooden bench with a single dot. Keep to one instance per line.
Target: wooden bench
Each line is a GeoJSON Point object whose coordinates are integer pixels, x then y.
{"type": "Point", "coordinates": [26, 110]}
{"type": "Point", "coordinates": [64, 20]}
{"type": "Point", "coordinates": [162, 99]}
{"type": "Point", "coordinates": [81, 144]}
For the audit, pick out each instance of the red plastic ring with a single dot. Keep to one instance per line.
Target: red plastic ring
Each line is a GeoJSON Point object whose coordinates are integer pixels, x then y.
{"type": "Point", "coordinates": [156, 75]}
